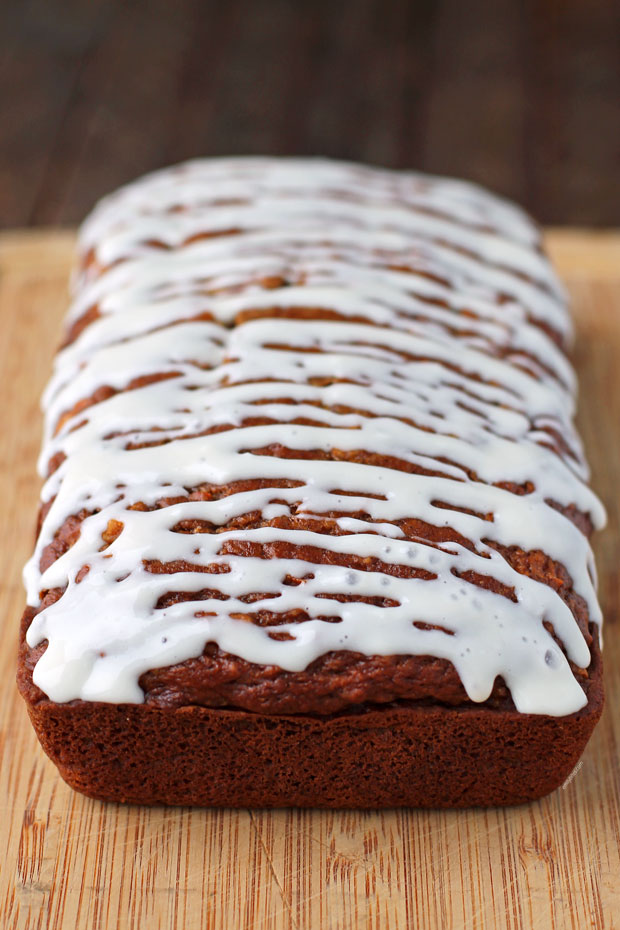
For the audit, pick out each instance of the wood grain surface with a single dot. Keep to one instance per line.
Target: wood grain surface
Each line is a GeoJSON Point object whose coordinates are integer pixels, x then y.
{"type": "Point", "coordinates": [69, 862]}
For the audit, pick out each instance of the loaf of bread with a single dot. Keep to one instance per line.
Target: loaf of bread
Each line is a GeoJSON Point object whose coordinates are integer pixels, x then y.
{"type": "Point", "coordinates": [315, 529]}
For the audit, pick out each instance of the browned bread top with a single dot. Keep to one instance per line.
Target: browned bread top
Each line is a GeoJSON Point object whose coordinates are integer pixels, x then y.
{"type": "Point", "coordinates": [309, 446]}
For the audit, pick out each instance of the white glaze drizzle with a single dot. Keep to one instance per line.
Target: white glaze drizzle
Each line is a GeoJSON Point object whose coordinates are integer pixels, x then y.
{"type": "Point", "coordinates": [446, 366]}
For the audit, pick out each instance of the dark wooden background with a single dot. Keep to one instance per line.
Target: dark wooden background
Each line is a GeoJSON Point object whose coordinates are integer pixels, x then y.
{"type": "Point", "coordinates": [522, 95]}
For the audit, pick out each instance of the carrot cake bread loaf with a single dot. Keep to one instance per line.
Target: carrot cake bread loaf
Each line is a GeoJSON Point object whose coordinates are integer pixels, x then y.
{"type": "Point", "coordinates": [315, 529]}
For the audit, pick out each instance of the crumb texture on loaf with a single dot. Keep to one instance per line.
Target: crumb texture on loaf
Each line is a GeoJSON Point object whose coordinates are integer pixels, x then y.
{"type": "Point", "coordinates": [310, 444]}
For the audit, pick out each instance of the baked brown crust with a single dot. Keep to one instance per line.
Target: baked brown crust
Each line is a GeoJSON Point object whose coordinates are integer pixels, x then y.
{"type": "Point", "coordinates": [400, 754]}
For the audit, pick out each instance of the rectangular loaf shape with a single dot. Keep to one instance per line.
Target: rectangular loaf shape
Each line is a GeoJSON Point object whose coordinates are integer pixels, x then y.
{"type": "Point", "coordinates": [315, 525]}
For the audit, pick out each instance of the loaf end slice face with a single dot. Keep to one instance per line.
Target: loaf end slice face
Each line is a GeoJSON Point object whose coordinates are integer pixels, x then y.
{"type": "Point", "coordinates": [315, 523]}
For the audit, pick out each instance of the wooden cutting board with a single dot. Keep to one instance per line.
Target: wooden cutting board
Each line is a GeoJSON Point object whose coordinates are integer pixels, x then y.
{"type": "Point", "coordinates": [75, 863]}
